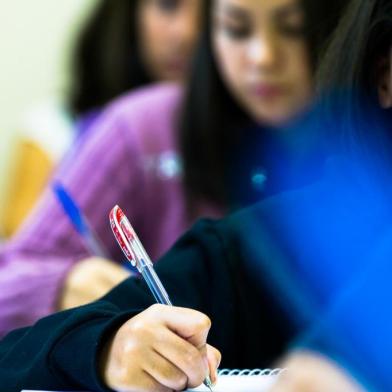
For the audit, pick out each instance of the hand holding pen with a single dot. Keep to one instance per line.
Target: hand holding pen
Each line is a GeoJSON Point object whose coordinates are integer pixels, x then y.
{"type": "Point", "coordinates": [164, 346]}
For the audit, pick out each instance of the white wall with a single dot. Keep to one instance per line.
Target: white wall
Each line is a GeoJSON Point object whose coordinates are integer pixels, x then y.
{"type": "Point", "coordinates": [35, 41]}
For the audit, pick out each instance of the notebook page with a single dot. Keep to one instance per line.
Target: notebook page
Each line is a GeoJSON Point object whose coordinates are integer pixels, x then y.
{"type": "Point", "coordinates": [238, 381]}
{"type": "Point", "coordinates": [233, 384]}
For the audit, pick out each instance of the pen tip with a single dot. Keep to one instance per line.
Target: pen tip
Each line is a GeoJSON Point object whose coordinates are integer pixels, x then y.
{"type": "Point", "coordinates": [208, 383]}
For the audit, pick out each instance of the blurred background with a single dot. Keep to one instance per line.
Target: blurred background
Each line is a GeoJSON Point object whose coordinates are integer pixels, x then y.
{"type": "Point", "coordinates": [43, 34]}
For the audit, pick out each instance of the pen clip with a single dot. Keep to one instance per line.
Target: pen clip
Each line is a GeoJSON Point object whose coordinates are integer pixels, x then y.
{"type": "Point", "coordinates": [128, 239]}
{"type": "Point", "coordinates": [122, 236]}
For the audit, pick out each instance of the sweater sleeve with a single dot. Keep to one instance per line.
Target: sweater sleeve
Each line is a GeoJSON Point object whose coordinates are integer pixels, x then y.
{"type": "Point", "coordinates": [34, 263]}
{"type": "Point", "coordinates": [61, 351]}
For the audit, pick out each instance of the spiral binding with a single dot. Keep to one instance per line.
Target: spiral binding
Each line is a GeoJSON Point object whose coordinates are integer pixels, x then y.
{"type": "Point", "coordinates": [250, 372]}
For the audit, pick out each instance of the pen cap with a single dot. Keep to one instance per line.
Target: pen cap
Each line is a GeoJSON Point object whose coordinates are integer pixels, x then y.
{"type": "Point", "coordinates": [122, 233]}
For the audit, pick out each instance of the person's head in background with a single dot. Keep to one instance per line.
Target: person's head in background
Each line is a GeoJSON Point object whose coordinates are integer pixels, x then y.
{"type": "Point", "coordinates": [130, 43]}
{"type": "Point", "coordinates": [355, 80]}
{"type": "Point", "coordinates": [255, 64]}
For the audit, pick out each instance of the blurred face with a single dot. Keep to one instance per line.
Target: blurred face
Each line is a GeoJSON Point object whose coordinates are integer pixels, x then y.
{"type": "Point", "coordinates": [261, 51]}
{"type": "Point", "coordinates": [168, 30]}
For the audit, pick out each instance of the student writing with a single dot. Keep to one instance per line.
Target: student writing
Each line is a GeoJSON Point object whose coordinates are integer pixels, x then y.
{"type": "Point", "coordinates": [133, 156]}
{"type": "Point", "coordinates": [239, 295]}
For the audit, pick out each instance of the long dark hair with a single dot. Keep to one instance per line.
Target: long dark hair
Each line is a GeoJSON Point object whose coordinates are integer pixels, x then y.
{"type": "Point", "coordinates": [211, 119]}
{"type": "Point", "coordinates": [347, 79]}
{"type": "Point", "coordinates": [106, 59]}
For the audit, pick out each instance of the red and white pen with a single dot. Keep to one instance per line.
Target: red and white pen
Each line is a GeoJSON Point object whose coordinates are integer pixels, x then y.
{"type": "Point", "coordinates": [137, 255]}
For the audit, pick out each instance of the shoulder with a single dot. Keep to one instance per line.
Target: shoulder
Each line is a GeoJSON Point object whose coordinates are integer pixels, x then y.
{"type": "Point", "coordinates": [157, 98]}
{"type": "Point", "coordinates": [148, 116]}
{"type": "Point", "coordinates": [340, 208]}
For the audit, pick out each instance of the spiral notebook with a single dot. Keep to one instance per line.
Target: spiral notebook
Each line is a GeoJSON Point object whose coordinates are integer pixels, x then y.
{"type": "Point", "coordinates": [255, 380]}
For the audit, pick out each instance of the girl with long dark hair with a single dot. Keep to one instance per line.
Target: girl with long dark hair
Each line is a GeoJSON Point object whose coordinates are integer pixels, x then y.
{"type": "Point", "coordinates": [355, 85]}
{"type": "Point", "coordinates": [229, 273]}
{"type": "Point", "coordinates": [123, 45]}
{"type": "Point", "coordinates": [128, 44]}
{"type": "Point", "coordinates": [163, 153]}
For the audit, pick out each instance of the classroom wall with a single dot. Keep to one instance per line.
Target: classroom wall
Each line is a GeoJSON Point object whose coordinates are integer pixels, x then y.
{"type": "Point", "coordinates": [36, 37]}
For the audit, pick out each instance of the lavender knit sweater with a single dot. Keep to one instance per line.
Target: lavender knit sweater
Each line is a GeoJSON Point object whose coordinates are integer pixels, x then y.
{"type": "Point", "coordinates": [129, 157]}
